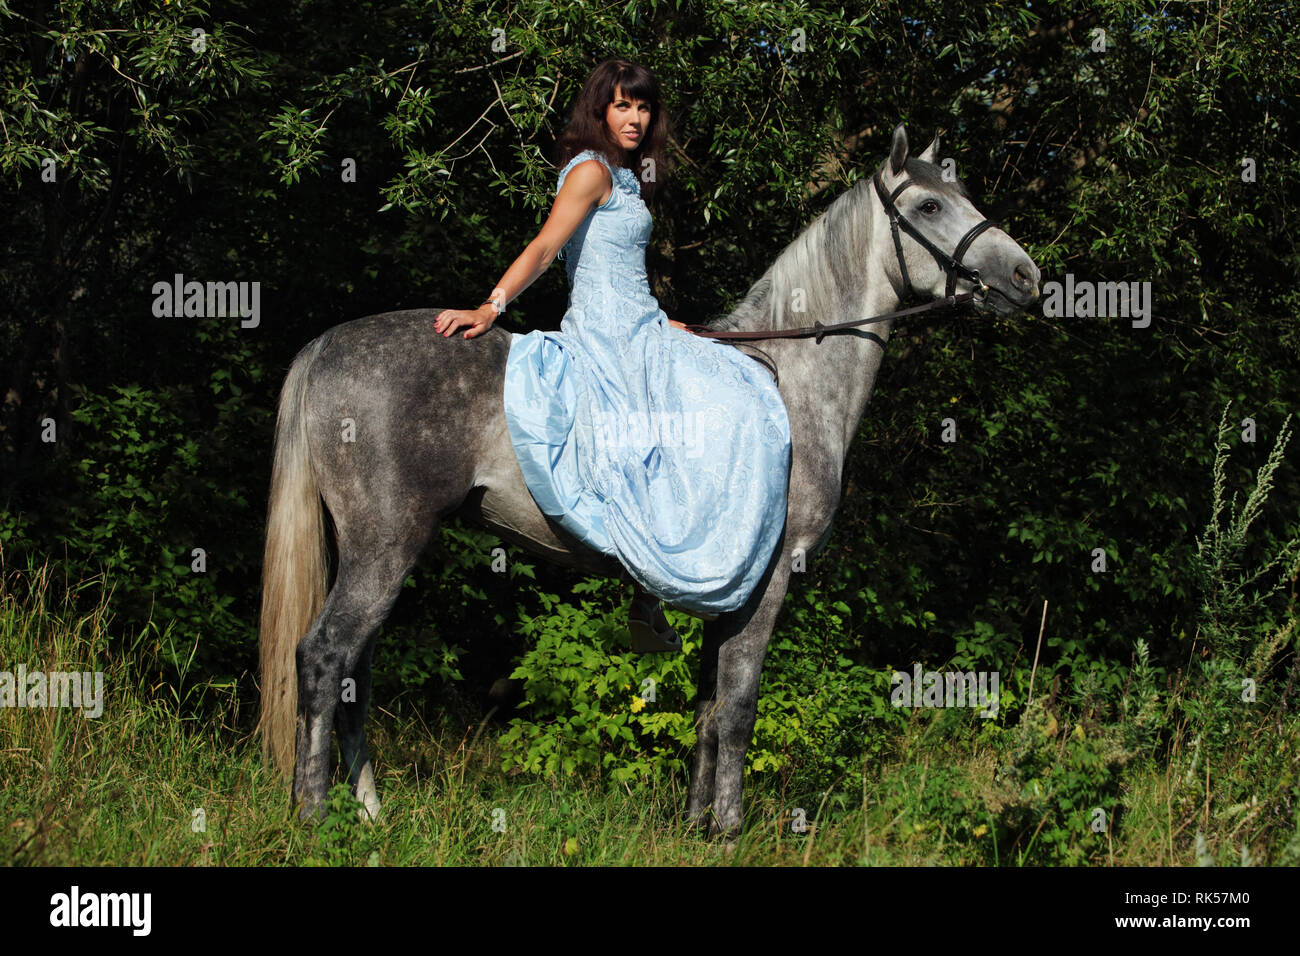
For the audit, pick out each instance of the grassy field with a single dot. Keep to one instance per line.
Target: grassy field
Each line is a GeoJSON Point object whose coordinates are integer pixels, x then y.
{"type": "Point", "coordinates": [171, 776]}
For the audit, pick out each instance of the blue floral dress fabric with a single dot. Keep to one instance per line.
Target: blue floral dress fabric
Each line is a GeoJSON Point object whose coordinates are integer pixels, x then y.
{"type": "Point", "coordinates": [649, 443]}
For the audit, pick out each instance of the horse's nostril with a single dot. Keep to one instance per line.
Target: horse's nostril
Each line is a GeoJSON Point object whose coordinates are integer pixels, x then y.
{"type": "Point", "coordinates": [1022, 278]}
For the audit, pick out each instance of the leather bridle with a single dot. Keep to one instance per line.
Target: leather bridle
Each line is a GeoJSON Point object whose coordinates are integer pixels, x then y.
{"type": "Point", "coordinates": [950, 264]}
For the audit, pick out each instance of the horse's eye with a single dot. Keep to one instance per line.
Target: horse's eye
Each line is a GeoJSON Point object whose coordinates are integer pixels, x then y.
{"type": "Point", "coordinates": [929, 207]}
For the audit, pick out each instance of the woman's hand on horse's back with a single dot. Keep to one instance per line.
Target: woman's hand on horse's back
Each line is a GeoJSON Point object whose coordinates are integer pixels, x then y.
{"type": "Point", "coordinates": [477, 321]}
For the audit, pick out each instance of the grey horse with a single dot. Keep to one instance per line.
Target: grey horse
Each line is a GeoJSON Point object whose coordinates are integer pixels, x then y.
{"type": "Point", "coordinates": [395, 428]}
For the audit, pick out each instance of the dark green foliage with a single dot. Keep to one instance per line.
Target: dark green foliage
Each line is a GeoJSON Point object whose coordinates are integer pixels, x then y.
{"type": "Point", "coordinates": [1117, 164]}
{"type": "Point", "coordinates": [340, 839]}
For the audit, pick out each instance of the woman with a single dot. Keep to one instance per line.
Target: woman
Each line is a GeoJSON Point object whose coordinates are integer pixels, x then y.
{"type": "Point", "coordinates": [666, 450]}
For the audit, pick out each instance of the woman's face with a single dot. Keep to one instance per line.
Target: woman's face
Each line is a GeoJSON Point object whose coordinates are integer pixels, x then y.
{"type": "Point", "coordinates": [627, 120]}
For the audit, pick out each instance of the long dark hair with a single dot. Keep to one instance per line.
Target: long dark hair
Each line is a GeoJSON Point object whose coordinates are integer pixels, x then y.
{"type": "Point", "coordinates": [587, 129]}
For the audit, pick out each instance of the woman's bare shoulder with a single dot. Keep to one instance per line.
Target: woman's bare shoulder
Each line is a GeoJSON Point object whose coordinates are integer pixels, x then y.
{"type": "Point", "coordinates": [591, 178]}
{"type": "Point", "coordinates": [587, 159]}
{"type": "Point", "coordinates": [587, 175]}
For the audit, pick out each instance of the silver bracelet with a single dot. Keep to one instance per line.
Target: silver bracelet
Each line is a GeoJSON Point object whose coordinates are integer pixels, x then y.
{"type": "Point", "coordinates": [499, 308]}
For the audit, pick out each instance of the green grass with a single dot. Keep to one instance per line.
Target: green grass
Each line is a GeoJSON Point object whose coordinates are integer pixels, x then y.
{"type": "Point", "coordinates": [124, 788]}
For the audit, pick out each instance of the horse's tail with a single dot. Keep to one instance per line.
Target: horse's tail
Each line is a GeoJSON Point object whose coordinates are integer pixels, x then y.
{"type": "Point", "coordinates": [294, 566]}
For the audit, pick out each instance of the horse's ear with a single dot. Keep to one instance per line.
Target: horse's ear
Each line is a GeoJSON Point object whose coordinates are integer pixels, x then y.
{"type": "Point", "coordinates": [931, 154]}
{"type": "Point", "coordinates": [898, 152]}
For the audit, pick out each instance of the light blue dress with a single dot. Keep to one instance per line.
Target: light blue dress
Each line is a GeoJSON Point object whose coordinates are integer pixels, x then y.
{"type": "Point", "coordinates": [649, 443]}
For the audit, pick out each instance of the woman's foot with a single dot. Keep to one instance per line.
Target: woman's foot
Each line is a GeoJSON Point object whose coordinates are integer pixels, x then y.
{"type": "Point", "coordinates": [649, 628]}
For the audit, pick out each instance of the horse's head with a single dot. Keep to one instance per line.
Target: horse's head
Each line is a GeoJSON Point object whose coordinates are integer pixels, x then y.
{"type": "Point", "coordinates": [940, 243]}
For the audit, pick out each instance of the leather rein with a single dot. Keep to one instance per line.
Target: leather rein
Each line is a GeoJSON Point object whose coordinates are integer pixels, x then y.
{"type": "Point", "coordinates": [950, 264]}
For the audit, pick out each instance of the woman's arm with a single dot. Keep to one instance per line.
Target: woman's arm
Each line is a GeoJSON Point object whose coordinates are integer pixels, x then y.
{"type": "Point", "coordinates": [583, 187]}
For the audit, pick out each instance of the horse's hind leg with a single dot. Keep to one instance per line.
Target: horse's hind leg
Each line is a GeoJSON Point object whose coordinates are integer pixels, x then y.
{"type": "Point", "coordinates": [350, 722]}
{"type": "Point", "coordinates": [337, 647]}
{"type": "Point", "coordinates": [704, 763]}
{"type": "Point", "coordinates": [727, 705]}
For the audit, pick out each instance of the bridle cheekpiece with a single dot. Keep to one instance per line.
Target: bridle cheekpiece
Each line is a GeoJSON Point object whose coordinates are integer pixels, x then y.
{"type": "Point", "coordinates": [950, 264]}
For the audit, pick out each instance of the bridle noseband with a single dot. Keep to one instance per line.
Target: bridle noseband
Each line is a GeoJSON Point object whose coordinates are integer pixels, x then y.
{"type": "Point", "coordinates": [950, 264]}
